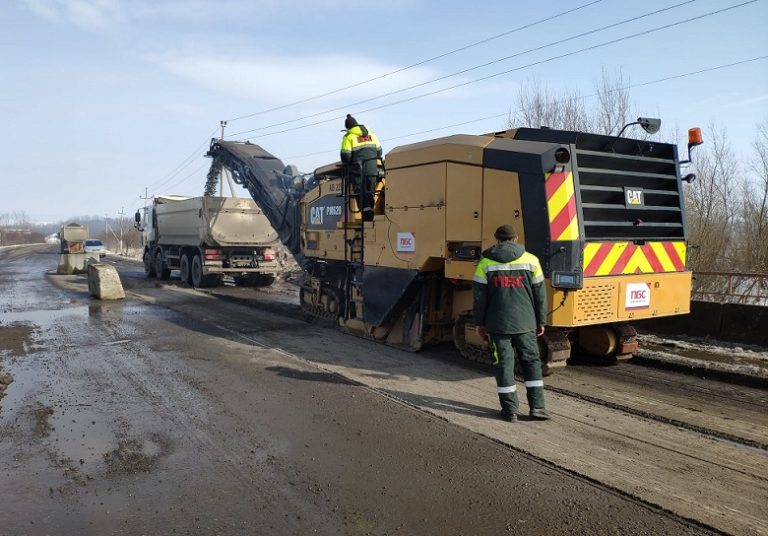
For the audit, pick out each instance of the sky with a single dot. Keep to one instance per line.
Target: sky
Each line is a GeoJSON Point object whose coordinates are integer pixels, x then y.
{"type": "Point", "coordinates": [104, 100]}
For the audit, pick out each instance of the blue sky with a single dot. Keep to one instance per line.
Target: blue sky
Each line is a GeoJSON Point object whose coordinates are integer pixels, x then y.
{"type": "Point", "coordinates": [102, 98]}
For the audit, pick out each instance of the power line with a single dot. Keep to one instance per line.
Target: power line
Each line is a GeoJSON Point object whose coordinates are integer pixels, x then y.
{"type": "Point", "coordinates": [473, 68]}
{"type": "Point", "coordinates": [420, 63]}
{"type": "Point", "coordinates": [540, 62]}
{"type": "Point", "coordinates": [186, 162]}
{"type": "Point", "coordinates": [187, 177]}
{"type": "Point", "coordinates": [496, 116]}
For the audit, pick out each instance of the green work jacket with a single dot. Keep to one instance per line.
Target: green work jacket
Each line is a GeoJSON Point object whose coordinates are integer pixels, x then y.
{"type": "Point", "coordinates": [360, 144]}
{"type": "Point", "coordinates": [508, 290]}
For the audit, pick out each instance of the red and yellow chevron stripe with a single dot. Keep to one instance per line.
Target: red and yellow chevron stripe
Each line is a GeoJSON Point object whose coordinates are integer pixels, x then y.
{"type": "Point", "coordinates": [615, 258]}
{"type": "Point", "coordinates": [561, 206]}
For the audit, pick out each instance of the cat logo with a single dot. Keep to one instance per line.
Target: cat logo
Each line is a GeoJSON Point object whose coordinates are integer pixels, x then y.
{"type": "Point", "coordinates": [316, 215]}
{"type": "Point", "coordinates": [633, 197]}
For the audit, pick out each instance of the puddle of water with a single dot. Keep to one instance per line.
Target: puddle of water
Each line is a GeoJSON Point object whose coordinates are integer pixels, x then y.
{"type": "Point", "coordinates": [82, 435]}
{"type": "Point", "coordinates": [45, 317]}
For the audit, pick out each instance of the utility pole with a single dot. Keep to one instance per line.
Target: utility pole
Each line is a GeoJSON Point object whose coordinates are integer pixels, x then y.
{"type": "Point", "coordinates": [223, 124]}
{"type": "Point", "coordinates": [146, 197]}
{"type": "Point", "coordinates": [121, 214]}
{"type": "Point", "coordinates": [106, 227]}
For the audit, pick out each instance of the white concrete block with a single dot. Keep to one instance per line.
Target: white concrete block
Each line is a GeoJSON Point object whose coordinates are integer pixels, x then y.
{"type": "Point", "coordinates": [104, 282]}
{"type": "Point", "coordinates": [75, 263]}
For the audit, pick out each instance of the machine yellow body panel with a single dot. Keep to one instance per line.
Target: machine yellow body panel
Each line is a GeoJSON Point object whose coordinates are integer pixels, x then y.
{"type": "Point", "coordinates": [604, 300]}
{"type": "Point", "coordinates": [501, 185]}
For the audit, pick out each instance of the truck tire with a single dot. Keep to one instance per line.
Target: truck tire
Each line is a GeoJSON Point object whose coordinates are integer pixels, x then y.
{"type": "Point", "coordinates": [185, 269]}
{"type": "Point", "coordinates": [149, 265]}
{"type": "Point", "coordinates": [198, 279]}
{"type": "Point", "coordinates": [161, 269]}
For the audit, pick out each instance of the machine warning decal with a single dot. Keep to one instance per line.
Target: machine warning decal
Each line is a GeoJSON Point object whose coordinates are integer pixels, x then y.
{"type": "Point", "coordinates": [638, 296]}
{"type": "Point", "coordinates": [406, 242]}
{"type": "Point", "coordinates": [326, 212]}
{"type": "Point", "coordinates": [633, 197]}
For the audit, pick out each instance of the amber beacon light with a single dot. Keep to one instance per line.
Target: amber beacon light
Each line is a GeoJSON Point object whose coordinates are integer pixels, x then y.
{"type": "Point", "coordinates": [694, 139]}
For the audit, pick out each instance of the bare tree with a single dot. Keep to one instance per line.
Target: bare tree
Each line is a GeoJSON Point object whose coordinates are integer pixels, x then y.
{"type": "Point", "coordinates": [710, 199]}
{"type": "Point", "coordinates": [753, 250]}
{"type": "Point", "coordinates": [611, 112]}
{"type": "Point", "coordinates": [538, 106]}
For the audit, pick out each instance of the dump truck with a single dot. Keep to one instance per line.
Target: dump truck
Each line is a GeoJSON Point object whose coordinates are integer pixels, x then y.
{"type": "Point", "coordinates": [604, 214]}
{"type": "Point", "coordinates": [207, 238]}
{"type": "Point", "coordinates": [71, 238]}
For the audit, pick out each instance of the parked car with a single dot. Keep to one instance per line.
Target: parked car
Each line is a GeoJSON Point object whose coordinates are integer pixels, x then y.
{"type": "Point", "coordinates": [92, 245]}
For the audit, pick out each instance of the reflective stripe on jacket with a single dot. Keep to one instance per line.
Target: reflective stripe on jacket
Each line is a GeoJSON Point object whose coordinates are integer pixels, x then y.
{"type": "Point", "coordinates": [508, 290]}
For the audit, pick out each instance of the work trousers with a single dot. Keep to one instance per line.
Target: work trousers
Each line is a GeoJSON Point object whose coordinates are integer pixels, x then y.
{"type": "Point", "coordinates": [364, 201]}
{"type": "Point", "coordinates": [504, 347]}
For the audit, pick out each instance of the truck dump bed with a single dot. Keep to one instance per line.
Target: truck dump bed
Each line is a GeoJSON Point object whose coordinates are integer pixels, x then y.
{"type": "Point", "coordinates": [73, 232]}
{"type": "Point", "coordinates": [213, 221]}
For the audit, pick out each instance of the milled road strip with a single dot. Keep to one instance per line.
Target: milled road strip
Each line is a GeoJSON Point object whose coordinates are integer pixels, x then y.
{"type": "Point", "coordinates": [710, 481]}
{"type": "Point", "coordinates": [707, 406]}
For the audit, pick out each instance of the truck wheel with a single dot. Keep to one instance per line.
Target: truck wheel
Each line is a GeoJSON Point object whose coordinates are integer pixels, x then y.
{"type": "Point", "coordinates": [185, 269]}
{"type": "Point", "coordinates": [149, 265]}
{"type": "Point", "coordinates": [161, 269]}
{"type": "Point", "coordinates": [198, 279]}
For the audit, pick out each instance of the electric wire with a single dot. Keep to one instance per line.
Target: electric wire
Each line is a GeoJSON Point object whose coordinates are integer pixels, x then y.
{"type": "Point", "coordinates": [584, 97]}
{"type": "Point", "coordinates": [419, 63]}
{"type": "Point", "coordinates": [494, 75]}
{"type": "Point", "coordinates": [188, 176]}
{"type": "Point", "coordinates": [185, 163]}
{"type": "Point", "coordinates": [470, 69]}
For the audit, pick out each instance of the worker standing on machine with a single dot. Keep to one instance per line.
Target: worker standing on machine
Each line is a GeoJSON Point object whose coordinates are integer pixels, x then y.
{"type": "Point", "coordinates": [510, 308]}
{"type": "Point", "coordinates": [360, 149]}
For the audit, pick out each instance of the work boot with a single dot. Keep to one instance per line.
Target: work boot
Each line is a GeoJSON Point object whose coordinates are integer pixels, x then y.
{"type": "Point", "coordinates": [540, 414]}
{"type": "Point", "coordinates": [509, 417]}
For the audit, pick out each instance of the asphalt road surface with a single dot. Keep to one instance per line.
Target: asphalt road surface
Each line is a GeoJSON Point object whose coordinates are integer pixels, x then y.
{"type": "Point", "coordinates": [151, 416]}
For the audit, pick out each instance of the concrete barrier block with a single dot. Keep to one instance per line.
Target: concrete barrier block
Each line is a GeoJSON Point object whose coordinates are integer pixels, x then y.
{"type": "Point", "coordinates": [104, 282]}
{"type": "Point", "coordinates": [75, 263]}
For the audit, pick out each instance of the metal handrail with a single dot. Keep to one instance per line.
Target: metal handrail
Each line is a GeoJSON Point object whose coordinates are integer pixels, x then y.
{"type": "Point", "coordinates": [731, 287]}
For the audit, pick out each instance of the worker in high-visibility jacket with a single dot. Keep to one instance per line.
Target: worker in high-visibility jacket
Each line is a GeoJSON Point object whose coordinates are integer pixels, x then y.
{"type": "Point", "coordinates": [509, 308]}
{"type": "Point", "coordinates": [360, 149]}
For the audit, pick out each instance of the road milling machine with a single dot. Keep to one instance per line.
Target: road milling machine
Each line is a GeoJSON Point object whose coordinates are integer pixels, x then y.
{"type": "Point", "coordinates": [604, 215]}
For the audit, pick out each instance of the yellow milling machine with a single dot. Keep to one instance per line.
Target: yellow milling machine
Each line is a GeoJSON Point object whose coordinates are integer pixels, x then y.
{"type": "Point", "coordinates": [605, 216]}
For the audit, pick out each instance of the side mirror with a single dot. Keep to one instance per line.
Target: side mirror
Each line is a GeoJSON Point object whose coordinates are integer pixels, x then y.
{"type": "Point", "coordinates": [137, 217]}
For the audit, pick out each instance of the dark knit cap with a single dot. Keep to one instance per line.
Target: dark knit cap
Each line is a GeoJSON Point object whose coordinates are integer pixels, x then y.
{"type": "Point", "coordinates": [505, 232]}
{"type": "Point", "coordinates": [350, 122]}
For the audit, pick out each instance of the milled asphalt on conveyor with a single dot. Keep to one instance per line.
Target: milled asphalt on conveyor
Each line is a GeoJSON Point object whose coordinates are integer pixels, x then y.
{"type": "Point", "coordinates": [205, 417]}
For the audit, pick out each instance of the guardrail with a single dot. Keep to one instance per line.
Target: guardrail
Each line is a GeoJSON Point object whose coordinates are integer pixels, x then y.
{"type": "Point", "coordinates": [749, 288]}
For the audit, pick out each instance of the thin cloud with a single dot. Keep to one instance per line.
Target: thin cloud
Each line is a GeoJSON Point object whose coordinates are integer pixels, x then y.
{"type": "Point", "coordinates": [277, 79]}
{"type": "Point", "coordinates": [99, 14]}
{"type": "Point", "coordinates": [751, 100]}
{"type": "Point", "coordinates": [84, 13]}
